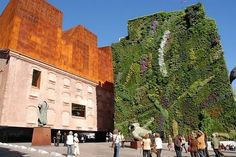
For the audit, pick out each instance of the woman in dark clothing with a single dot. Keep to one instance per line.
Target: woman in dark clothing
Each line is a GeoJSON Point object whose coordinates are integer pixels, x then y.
{"type": "Point", "coordinates": [64, 138]}
{"type": "Point", "coordinates": [178, 148]}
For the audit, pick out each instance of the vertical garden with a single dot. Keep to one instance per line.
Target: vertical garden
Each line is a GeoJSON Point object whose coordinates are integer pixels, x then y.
{"type": "Point", "coordinates": [171, 68]}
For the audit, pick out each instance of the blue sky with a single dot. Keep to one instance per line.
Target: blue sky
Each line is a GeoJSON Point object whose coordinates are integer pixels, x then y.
{"type": "Point", "coordinates": [108, 18]}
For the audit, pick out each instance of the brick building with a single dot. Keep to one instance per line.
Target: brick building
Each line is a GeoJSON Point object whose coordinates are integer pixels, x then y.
{"type": "Point", "coordinates": [41, 62]}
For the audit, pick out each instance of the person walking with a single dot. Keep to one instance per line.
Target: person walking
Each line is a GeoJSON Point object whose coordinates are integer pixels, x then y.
{"type": "Point", "coordinates": [206, 149]}
{"type": "Point", "coordinates": [215, 143]}
{"type": "Point", "coordinates": [76, 145]}
{"type": "Point", "coordinates": [110, 137]}
{"type": "Point", "coordinates": [158, 144]}
{"type": "Point", "coordinates": [170, 142]}
{"type": "Point", "coordinates": [58, 137]}
{"type": "Point", "coordinates": [201, 143]}
{"type": "Point", "coordinates": [192, 145]}
{"type": "Point", "coordinates": [116, 142]}
{"type": "Point", "coordinates": [122, 140]}
{"type": "Point", "coordinates": [183, 144]}
{"type": "Point", "coordinates": [177, 145]}
{"type": "Point", "coordinates": [146, 145]}
{"type": "Point", "coordinates": [54, 140]}
{"type": "Point", "coordinates": [69, 143]}
{"type": "Point", "coordinates": [64, 138]}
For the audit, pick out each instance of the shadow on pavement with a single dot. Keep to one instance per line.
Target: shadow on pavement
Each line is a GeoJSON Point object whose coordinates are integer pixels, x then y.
{"type": "Point", "coordinates": [229, 152]}
{"type": "Point", "coordinates": [224, 156]}
{"type": "Point", "coordinates": [5, 152]}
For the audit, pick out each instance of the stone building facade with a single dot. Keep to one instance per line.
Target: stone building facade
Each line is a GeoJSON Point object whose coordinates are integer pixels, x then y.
{"type": "Point", "coordinates": [40, 62]}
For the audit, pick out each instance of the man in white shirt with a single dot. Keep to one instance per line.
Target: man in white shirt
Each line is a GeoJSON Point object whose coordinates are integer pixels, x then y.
{"type": "Point", "coordinates": [69, 143]}
{"type": "Point", "coordinates": [158, 143]}
{"type": "Point", "coordinates": [116, 142]}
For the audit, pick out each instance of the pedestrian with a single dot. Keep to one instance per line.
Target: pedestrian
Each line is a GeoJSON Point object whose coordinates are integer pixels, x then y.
{"type": "Point", "coordinates": [122, 140]}
{"type": "Point", "coordinates": [158, 144]}
{"type": "Point", "coordinates": [64, 138]}
{"type": "Point", "coordinates": [206, 149]}
{"type": "Point", "coordinates": [58, 137]}
{"type": "Point", "coordinates": [69, 143]}
{"type": "Point", "coordinates": [215, 145]}
{"type": "Point", "coordinates": [201, 143]}
{"type": "Point", "coordinates": [82, 138]}
{"type": "Point", "coordinates": [170, 142]}
{"type": "Point", "coordinates": [192, 145]}
{"type": "Point", "coordinates": [146, 145]}
{"type": "Point", "coordinates": [116, 142]}
{"type": "Point", "coordinates": [177, 145]}
{"type": "Point", "coordinates": [107, 137]}
{"type": "Point", "coordinates": [76, 145]}
{"type": "Point", "coordinates": [54, 140]}
{"type": "Point", "coordinates": [110, 137]}
{"type": "Point", "coordinates": [183, 144]}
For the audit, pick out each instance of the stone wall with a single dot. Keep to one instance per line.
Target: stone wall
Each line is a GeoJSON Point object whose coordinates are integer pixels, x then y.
{"type": "Point", "coordinates": [58, 88]}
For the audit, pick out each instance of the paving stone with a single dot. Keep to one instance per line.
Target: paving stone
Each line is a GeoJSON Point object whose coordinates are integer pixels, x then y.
{"type": "Point", "coordinates": [87, 150]}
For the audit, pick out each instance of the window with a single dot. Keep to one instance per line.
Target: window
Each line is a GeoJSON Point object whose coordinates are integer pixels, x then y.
{"type": "Point", "coordinates": [78, 110]}
{"type": "Point", "coordinates": [66, 82]}
{"type": "Point", "coordinates": [52, 78]}
{"type": "Point", "coordinates": [90, 90]}
{"type": "Point", "coordinates": [90, 103]}
{"type": "Point", "coordinates": [78, 86]}
{"type": "Point", "coordinates": [36, 78]}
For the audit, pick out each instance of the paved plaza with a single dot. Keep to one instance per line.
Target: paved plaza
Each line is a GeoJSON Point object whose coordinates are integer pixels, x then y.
{"type": "Point", "coordinates": [86, 149]}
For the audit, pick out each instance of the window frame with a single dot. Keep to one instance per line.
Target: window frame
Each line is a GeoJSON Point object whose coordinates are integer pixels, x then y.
{"type": "Point", "coordinates": [79, 108]}
{"type": "Point", "coordinates": [36, 78]}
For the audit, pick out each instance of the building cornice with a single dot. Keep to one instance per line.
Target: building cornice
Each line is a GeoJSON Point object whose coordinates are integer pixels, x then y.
{"type": "Point", "coordinates": [16, 54]}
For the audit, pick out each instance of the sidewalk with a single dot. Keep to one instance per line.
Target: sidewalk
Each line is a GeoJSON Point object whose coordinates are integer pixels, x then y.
{"type": "Point", "coordinates": [86, 149]}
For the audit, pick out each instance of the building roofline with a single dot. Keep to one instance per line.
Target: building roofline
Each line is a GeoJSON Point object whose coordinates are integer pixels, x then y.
{"type": "Point", "coordinates": [16, 54]}
{"type": "Point", "coordinates": [4, 50]}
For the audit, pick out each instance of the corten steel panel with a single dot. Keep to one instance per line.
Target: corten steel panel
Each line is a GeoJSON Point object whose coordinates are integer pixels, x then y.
{"type": "Point", "coordinates": [41, 136]}
{"type": "Point", "coordinates": [105, 63]}
{"type": "Point", "coordinates": [34, 29]}
{"type": "Point", "coordinates": [6, 25]}
{"type": "Point", "coordinates": [105, 108]}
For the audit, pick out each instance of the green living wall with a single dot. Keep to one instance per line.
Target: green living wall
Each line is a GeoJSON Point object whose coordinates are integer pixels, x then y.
{"type": "Point", "coordinates": [171, 68]}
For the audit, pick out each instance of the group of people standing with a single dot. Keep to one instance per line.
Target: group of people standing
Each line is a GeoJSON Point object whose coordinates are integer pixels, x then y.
{"type": "Point", "coordinates": [148, 144]}
{"type": "Point", "coordinates": [152, 145]}
{"type": "Point", "coordinates": [197, 145]}
{"type": "Point", "coordinates": [59, 137]}
{"type": "Point", "coordinates": [70, 140]}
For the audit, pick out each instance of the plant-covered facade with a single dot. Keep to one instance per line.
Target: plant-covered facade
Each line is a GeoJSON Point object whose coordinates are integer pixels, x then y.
{"type": "Point", "coordinates": [171, 68]}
